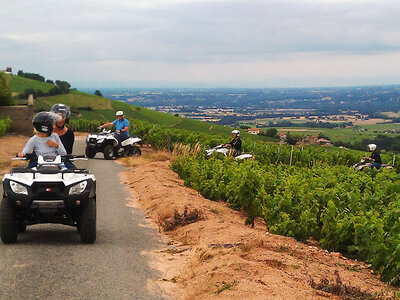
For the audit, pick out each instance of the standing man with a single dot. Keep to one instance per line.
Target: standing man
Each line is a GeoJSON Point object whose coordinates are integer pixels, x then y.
{"type": "Point", "coordinates": [121, 128]}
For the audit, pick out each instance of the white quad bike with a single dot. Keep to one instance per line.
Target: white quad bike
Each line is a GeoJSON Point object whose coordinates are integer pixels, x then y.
{"type": "Point", "coordinates": [48, 193]}
{"type": "Point", "coordinates": [364, 163]}
{"type": "Point", "coordinates": [106, 143]}
{"type": "Point", "coordinates": [222, 149]}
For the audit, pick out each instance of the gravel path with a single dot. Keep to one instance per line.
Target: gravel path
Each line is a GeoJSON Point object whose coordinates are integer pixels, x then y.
{"type": "Point", "coordinates": [49, 262]}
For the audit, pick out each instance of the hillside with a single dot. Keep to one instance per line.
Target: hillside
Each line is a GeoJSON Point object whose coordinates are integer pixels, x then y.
{"type": "Point", "coordinates": [19, 84]}
{"type": "Point", "coordinates": [92, 107]}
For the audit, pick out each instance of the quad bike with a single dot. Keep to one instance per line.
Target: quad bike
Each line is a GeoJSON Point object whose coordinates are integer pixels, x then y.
{"type": "Point", "coordinates": [106, 143]}
{"type": "Point", "coordinates": [222, 149]}
{"type": "Point", "coordinates": [364, 163]}
{"type": "Point", "coordinates": [48, 193]}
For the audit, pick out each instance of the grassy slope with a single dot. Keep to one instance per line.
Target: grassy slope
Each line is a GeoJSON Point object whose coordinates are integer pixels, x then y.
{"type": "Point", "coordinates": [19, 84]}
{"type": "Point", "coordinates": [91, 107]}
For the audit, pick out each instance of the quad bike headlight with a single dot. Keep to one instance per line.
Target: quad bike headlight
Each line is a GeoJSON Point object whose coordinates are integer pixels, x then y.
{"type": "Point", "coordinates": [78, 188]}
{"type": "Point", "coordinates": [18, 188]}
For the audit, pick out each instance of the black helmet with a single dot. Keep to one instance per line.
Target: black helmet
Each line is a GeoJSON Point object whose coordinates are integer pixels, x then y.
{"type": "Point", "coordinates": [43, 122]}
{"type": "Point", "coordinates": [61, 109]}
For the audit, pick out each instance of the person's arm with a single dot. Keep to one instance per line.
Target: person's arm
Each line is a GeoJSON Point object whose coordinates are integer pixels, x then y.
{"type": "Point", "coordinates": [28, 147]}
{"type": "Point", "coordinates": [229, 144]}
{"type": "Point", "coordinates": [107, 125]}
{"type": "Point", "coordinates": [72, 141]}
{"type": "Point", "coordinates": [60, 149]}
{"type": "Point", "coordinates": [123, 130]}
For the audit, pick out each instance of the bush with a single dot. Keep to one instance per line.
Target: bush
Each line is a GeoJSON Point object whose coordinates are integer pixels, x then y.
{"type": "Point", "coordinates": [5, 126]}
{"type": "Point", "coordinates": [84, 125]}
{"type": "Point", "coordinates": [98, 93]}
{"type": "Point", "coordinates": [272, 132]}
{"type": "Point", "coordinates": [5, 91]}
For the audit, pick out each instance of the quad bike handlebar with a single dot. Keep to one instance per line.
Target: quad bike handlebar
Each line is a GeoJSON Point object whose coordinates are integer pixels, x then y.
{"type": "Point", "coordinates": [29, 156]}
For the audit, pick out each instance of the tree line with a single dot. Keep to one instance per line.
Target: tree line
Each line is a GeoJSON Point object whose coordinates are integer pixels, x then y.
{"type": "Point", "coordinates": [60, 87]}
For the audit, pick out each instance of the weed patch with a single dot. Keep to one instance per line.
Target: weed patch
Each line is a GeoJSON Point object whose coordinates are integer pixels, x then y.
{"type": "Point", "coordinates": [226, 286]}
{"type": "Point", "coordinates": [337, 287]}
{"type": "Point", "coordinates": [180, 219]}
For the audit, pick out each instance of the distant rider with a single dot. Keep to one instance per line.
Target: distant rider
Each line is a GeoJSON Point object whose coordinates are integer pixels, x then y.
{"type": "Point", "coordinates": [236, 143]}
{"type": "Point", "coordinates": [121, 128]}
{"type": "Point", "coordinates": [375, 157]}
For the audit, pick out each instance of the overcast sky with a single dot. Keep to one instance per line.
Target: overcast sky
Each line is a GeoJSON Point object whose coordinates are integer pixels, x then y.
{"type": "Point", "coordinates": [203, 43]}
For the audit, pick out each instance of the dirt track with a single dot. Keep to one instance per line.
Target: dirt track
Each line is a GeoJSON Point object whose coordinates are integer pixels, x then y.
{"type": "Point", "coordinates": [218, 257]}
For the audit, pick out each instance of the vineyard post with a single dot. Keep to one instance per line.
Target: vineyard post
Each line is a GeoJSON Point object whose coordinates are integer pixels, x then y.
{"type": "Point", "coordinates": [291, 156]}
{"type": "Point", "coordinates": [277, 156]}
{"type": "Point", "coordinates": [169, 142]}
{"type": "Point", "coordinates": [394, 159]}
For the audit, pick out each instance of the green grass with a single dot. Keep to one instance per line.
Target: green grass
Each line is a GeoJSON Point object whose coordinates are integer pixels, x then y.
{"type": "Point", "coordinates": [19, 84]}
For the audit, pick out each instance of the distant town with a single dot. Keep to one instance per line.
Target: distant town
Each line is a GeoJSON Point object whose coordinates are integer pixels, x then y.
{"type": "Point", "coordinates": [264, 107]}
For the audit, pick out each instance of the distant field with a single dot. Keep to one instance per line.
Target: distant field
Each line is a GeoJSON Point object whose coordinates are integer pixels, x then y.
{"type": "Point", "coordinates": [392, 114]}
{"type": "Point", "coordinates": [346, 135]}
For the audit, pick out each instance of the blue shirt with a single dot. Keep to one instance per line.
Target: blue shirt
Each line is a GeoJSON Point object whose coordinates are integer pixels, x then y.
{"type": "Point", "coordinates": [119, 125]}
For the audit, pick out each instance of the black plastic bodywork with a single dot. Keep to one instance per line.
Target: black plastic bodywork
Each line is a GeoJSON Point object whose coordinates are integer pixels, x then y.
{"type": "Point", "coordinates": [66, 211]}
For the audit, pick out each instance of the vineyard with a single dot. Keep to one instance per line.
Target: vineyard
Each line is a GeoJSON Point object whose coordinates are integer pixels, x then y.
{"type": "Point", "coordinates": [5, 126]}
{"type": "Point", "coordinates": [299, 192]}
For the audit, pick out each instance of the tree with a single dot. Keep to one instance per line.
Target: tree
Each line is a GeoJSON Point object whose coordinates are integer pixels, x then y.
{"type": "Point", "coordinates": [32, 76]}
{"type": "Point", "coordinates": [63, 86]}
{"type": "Point", "coordinates": [29, 91]}
{"type": "Point", "coordinates": [50, 81]}
{"type": "Point", "coordinates": [54, 91]}
{"type": "Point", "coordinates": [271, 132]}
{"type": "Point", "coordinates": [5, 91]}
{"type": "Point", "coordinates": [98, 93]}
{"type": "Point", "coordinates": [291, 139]}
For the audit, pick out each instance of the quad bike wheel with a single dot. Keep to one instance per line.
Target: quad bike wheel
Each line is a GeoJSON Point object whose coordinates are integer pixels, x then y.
{"type": "Point", "coordinates": [108, 151]}
{"type": "Point", "coordinates": [87, 222]}
{"type": "Point", "coordinates": [8, 224]}
{"type": "Point", "coordinates": [21, 227]}
{"type": "Point", "coordinates": [135, 151]}
{"type": "Point", "coordinates": [89, 152]}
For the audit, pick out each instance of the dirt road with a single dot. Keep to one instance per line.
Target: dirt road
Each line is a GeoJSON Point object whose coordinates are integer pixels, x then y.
{"type": "Point", "coordinates": [49, 261]}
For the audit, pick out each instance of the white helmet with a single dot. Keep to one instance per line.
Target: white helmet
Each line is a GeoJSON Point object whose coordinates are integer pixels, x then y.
{"type": "Point", "coordinates": [119, 113]}
{"type": "Point", "coordinates": [372, 147]}
{"type": "Point", "coordinates": [237, 132]}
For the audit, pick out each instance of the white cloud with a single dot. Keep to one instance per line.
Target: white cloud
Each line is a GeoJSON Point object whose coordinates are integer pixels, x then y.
{"type": "Point", "coordinates": [201, 41]}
